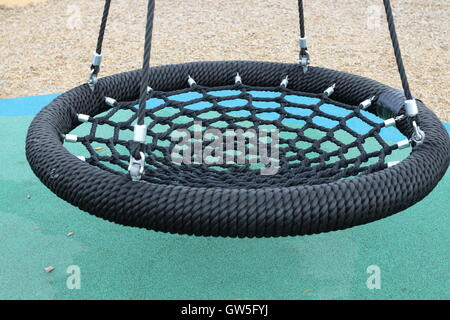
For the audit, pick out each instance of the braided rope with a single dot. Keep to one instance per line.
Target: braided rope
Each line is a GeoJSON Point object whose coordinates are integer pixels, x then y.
{"type": "Point", "coordinates": [397, 51]}
{"type": "Point", "coordinates": [101, 33]}
{"type": "Point", "coordinates": [300, 201]}
{"type": "Point", "coordinates": [313, 149]}
{"type": "Point", "coordinates": [146, 63]}
{"type": "Point", "coordinates": [148, 39]}
{"type": "Point", "coordinates": [232, 211]}
{"type": "Point", "coordinates": [301, 17]}
{"type": "Point", "coordinates": [103, 26]}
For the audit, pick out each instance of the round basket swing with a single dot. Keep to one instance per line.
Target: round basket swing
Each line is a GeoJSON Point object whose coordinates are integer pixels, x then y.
{"type": "Point", "coordinates": [238, 148]}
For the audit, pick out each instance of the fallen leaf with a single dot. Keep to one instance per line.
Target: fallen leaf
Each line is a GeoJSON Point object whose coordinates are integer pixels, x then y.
{"type": "Point", "coordinates": [306, 291]}
{"type": "Point", "coordinates": [69, 234]}
{"type": "Point", "coordinates": [49, 269]}
{"type": "Point", "coordinates": [99, 149]}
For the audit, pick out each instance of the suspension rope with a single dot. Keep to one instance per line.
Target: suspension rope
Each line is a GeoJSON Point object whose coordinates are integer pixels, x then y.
{"type": "Point", "coordinates": [137, 159]}
{"type": "Point", "coordinates": [397, 51]}
{"type": "Point", "coordinates": [410, 106]}
{"type": "Point", "coordinates": [301, 18]}
{"type": "Point", "coordinates": [137, 146]}
{"type": "Point", "coordinates": [303, 50]}
{"type": "Point", "coordinates": [97, 57]}
{"type": "Point", "coordinates": [304, 54]}
{"type": "Point", "coordinates": [103, 26]}
{"type": "Point", "coordinates": [146, 63]}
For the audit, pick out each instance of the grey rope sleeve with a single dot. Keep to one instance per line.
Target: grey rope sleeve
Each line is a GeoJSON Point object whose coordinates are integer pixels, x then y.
{"type": "Point", "coordinates": [97, 57]}
{"type": "Point", "coordinates": [410, 106]}
{"type": "Point", "coordinates": [304, 54]}
{"type": "Point", "coordinates": [101, 34]}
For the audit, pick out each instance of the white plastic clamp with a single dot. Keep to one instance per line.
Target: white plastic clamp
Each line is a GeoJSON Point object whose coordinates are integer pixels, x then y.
{"type": "Point", "coordinates": [403, 144]}
{"type": "Point", "coordinates": [191, 81]}
{"type": "Point", "coordinates": [390, 122]}
{"type": "Point", "coordinates": [96, 59]}
{"type": "Point", "coordinates": [237, 79]}
{"type": "Point", "coordinates": [140, 133]}
{"type": "Point", "coordinates": [70, 138]}
{"type": "Point", "coordinates": [411, 109]}
{"type": "Point", "coordinates": [392, 163]}
{"type": "Point", "coordinates": [110, 101]}
{"type": "Point", "coordinates": [83, 117]}
{"type": "Point", "coordinates": [329, 91]}
{"type": "Point", "coordinates": [366, 103]}
{"type": "Point", "coordinates": [284, 82]}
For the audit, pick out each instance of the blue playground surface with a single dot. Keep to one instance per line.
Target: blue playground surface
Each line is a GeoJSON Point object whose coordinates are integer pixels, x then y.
{"type": "Point", "coordinates": [411, 248]}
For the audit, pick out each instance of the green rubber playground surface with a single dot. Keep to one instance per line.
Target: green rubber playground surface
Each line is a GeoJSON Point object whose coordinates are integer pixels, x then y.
{"type": "Point", "coordinates": [410, 248]}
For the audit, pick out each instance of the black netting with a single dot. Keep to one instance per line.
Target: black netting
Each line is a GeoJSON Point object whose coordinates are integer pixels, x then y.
{"type": "Point", "coordinates": [319, 140]}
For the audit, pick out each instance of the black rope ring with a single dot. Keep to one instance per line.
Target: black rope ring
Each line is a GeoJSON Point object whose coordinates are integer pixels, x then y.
{"type": "Point", "coordinates": [235, 211]}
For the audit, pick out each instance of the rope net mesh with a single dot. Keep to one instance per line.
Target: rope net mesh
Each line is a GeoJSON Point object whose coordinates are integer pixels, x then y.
{"type": "Point", "coordinates": [308, 138]}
